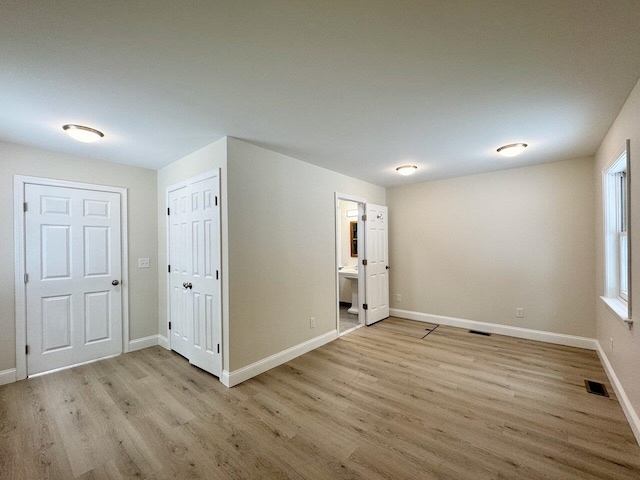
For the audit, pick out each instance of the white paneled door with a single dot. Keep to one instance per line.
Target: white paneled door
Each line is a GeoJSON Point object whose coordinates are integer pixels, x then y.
{"type": "Point", "coordinates": [194, 272]}
{"type": "Point", "coordinates": [73, 266]}
{"type": "Point", "coordinates": [377, 268]}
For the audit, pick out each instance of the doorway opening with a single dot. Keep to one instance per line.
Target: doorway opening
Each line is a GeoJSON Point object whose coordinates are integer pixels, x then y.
{"type": "Point", "coordinates": [361, 263]}
{"type": "Point", "coordinates": [349, 254]}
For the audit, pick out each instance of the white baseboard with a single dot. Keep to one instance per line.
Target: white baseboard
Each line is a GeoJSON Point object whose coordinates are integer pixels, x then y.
{"type": "Point", "coordinates": [144, 342]}
{"type": "Point", "coordinates": [7, 376]}
{"type": "Point", "coordinates": [231, 379]}
{"type": "Point", "coordinates": [519, 332]}
{"type": "Point", "coordinates": [224, 379]}
{"type": "Point", "coordinates": [163, 342]}
{"type": "Point", "coordinates": [627, 408]}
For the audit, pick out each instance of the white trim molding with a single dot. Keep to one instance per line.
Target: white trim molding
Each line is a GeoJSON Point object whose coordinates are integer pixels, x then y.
{"type": "Point", "coordinates": [150, 341]}
{"type": "Point", "coordinates": [619, 309]}
{"type": "Point", "coordinates": [519, 332]}
{"type": "Point", "coordinates": [625, 403]}
{"type": "Point", "coordinates": [8, 376]}
{"type": "Point", "coordinates": [231, 379]}
{"type": "Point", "coordinates": [163, 342]}
{"type": "Point", "coordinates": [361, 202]}
{"type": "Point", "coordinates": [144, 342]}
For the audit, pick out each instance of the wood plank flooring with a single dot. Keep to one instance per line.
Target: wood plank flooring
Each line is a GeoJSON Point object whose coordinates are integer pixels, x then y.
{"type": "Point", "coordinates": [380, 403]}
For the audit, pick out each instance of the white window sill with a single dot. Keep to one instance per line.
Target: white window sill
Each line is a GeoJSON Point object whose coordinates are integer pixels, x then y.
{"type": "Point", "coordinates": [619, 308]}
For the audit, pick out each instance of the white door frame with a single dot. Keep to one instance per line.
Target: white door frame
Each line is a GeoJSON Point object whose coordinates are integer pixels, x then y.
{"type": "Point", "coordinates": [361, 254]}
{"type": "Point", "coordinates": [19, 183]}
{"type": "Point", "coordinates": [216, 172]}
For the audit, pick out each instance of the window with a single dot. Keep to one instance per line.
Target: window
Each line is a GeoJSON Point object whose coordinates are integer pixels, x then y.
{"type": "Point", "coordinates": [621, 222]}
{"type": "Point", "coordinates": [616, 228]}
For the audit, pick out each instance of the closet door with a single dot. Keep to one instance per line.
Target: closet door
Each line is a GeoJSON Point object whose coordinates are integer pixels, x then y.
{"type": "Point", "coordinates": [204, 284]}
{"type": "Point", "coordinates": [179, 274]}
{"type": "Point", "coordinates": [194, 243]}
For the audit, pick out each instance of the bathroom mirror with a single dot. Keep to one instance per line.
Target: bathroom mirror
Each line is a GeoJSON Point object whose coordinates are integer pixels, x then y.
{"type": "Point", "coordinates": [353, 229]}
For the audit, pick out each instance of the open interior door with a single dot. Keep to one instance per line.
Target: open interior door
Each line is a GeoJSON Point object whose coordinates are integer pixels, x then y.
{"type": "Point", "coordinates": [377, 266]}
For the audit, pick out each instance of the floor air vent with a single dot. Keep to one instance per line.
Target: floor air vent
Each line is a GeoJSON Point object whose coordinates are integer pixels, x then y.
{"type": "Point", "coordinates": [476, 332]}
{"type": "Point", "coordinates": [596, 388]}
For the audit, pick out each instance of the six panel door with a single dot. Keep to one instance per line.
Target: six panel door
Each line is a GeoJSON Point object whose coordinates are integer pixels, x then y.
{"type": "Point", "coordinates": [73, 254]}
{"type": "Point", "coordinates": [180, 208]}
{"type": "Point", "coordinates": [194, 252]}
{"type": "Point", "coordinates": [376, 270]}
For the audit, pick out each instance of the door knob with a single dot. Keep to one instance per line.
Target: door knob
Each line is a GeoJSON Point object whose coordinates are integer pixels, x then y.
{"type": "Point", "coordinates": [115, 282]}
{"type": "Point", "coordinates": [187, 285]}
{"type": "Point", "coordinates": [387, 267]}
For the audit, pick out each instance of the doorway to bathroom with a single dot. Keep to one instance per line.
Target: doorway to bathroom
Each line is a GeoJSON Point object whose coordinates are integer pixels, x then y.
{"type": "Point", "coordinates": [349, 250]}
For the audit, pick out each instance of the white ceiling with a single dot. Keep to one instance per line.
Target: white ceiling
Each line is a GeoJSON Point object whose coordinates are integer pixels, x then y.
{"type": "Point", "coordinates": [358, 87]}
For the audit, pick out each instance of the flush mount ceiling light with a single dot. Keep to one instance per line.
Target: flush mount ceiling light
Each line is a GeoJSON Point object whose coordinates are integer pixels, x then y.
{"type": "Point", "coordinates": [83, 134]}
{"type": "Point", "coordinates": [512, 149]}
{"type": "Point", "coordinates": [406, 170]}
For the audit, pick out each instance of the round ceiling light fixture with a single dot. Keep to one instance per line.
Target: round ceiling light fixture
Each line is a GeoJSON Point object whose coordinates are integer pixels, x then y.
{"type": "Point", "coordinates": [512, 149]}
{"type": "Point", "coordinates": [406, 170]}
{"type": "Point", "coordinates": [83, 134]}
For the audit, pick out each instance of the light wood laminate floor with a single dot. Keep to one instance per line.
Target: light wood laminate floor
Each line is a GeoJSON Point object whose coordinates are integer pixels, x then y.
{"type": "Point", "coordinates": [380, 403]}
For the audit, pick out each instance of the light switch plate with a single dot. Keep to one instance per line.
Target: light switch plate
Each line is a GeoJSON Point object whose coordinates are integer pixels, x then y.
{"type": "Point", "coordinates": [143, 263]}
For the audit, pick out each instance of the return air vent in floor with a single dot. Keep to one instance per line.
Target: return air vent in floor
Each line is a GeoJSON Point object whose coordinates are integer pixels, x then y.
{"type": "Point", "coordinates": [596, 388]}
{"type": "Point", "coordinates": [476, 332]}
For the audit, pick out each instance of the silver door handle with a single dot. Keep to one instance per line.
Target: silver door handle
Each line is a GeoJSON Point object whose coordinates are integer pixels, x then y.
{"type": "Point", "coordinates": [187, 285]}
{"type": "Point", "coordinates": [115, 282]}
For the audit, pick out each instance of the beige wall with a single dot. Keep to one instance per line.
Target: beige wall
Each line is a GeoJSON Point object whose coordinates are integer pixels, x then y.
{"type": "Point", "coordinates": [206, 159]}
{"type": "Point", "coordinates": [281, 249]}
{"type": "Point", "coordinates": [478, 247]}
{"type": "Point", "coordinates": [141, 185]}
{"type": "Point", "coordinates": [625, 356]}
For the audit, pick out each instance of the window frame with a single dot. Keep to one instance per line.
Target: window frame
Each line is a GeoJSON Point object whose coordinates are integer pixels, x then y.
{"type": "Point", "coordinates": [622, 233]}
{"type": "Point", "coordinates": [616, 206]}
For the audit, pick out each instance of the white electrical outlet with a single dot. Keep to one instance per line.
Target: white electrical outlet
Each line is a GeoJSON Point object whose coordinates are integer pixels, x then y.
{"type": "Point", "coordinates": [312, 322]}
{"type": "Point", "coordinates": [520, 312]}
{"type": "Point", "coordinates": [143, 263]}
{"type": "Point", "coordinates": [611, 344]}
{"type": "Point", "coordinates": [398, 297]}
